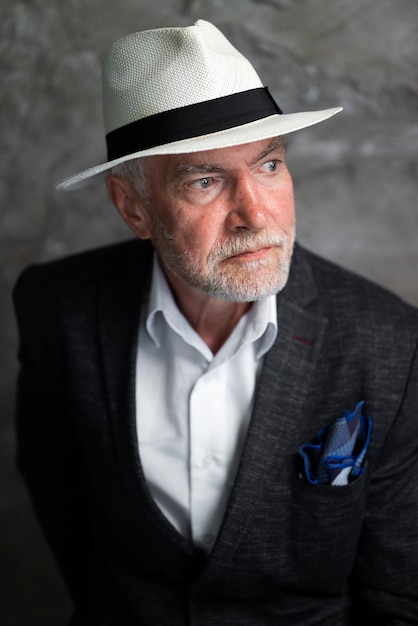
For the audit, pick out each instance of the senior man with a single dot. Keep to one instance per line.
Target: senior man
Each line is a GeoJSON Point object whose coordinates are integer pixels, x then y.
{"type": "Point", "coordinates": [215, 425]}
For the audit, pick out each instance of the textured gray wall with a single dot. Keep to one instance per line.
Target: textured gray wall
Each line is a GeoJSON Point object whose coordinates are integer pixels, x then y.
{"type": "Point", "coordinates": [355, 176]}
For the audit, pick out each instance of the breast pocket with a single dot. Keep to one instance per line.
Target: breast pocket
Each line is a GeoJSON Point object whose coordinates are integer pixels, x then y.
{"type": "Point", "coordinates": [325, 525]}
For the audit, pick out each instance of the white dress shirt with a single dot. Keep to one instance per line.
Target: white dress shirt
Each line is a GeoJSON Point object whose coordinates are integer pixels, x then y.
{"type": "Point", "coordinates": [193, 408]}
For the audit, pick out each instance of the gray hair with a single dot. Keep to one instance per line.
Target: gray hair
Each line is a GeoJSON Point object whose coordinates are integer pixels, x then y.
{"type": "Point", "coordinates": [133, 170]}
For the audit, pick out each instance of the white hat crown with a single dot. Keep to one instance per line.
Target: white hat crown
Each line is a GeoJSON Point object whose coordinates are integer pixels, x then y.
{"type": "Point", "coordinates": [159, 70]}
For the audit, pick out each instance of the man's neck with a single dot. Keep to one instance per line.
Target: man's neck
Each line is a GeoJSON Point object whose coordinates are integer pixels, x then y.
{"type": "Point", "coordinates": [213, 319]}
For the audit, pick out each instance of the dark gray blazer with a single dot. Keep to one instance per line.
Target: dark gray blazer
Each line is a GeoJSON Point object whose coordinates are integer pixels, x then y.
{"type": "Point", "coordinates": [288, 552]}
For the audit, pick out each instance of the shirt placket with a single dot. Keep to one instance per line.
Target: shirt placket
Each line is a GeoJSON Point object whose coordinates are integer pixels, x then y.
{"type": "Point", "coordinates": [208, 455]}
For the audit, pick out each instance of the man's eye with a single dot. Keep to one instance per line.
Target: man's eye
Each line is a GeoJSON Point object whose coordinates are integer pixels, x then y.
{"type": "Point", "coordinates": [271, 166]}
{"type": "Point", "coordinates": [201, 183]}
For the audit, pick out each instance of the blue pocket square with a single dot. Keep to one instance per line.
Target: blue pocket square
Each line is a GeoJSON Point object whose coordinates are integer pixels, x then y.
{"type": "Point", "coordinates": [336, 456]}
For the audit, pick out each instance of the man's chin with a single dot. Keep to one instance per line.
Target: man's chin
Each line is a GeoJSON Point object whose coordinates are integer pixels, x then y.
{"type": "Point", "coordinates": [245, 288]}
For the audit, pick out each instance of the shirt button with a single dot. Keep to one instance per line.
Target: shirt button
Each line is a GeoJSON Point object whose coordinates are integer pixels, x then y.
{"type": "Point", "coordinates": [207, 461]}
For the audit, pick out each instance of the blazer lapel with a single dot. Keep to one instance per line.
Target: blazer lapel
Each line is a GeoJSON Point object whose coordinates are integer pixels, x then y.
{"type": "Point", "coordinates": [277, 415]}
{"type": "Point", "coordinates": [119, 315]}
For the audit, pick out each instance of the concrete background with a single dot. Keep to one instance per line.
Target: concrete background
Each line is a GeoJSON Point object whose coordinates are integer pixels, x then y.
{"type": "Point", "coordinates": [355, 175]}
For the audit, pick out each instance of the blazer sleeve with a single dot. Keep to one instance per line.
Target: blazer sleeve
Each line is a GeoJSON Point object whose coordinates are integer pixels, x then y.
{"type": "Point", "coordinates": [48, 456]}
{"type": "Point", "coordinates": [386, 575]}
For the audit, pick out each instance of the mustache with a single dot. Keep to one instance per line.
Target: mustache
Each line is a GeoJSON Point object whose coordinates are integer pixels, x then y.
{"type": "Point", "coordinates": [245, 242]}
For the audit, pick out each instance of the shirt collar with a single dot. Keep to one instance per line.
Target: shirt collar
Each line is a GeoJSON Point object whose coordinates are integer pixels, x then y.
{"type": "Point", "coordinates": [258, 325]}
{"type": "Point", "coordinates": [261, 324]}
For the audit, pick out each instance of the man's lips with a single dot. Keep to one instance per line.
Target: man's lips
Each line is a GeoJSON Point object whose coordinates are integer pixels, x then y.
{"type": "Point", "coordinates": [252, 255]}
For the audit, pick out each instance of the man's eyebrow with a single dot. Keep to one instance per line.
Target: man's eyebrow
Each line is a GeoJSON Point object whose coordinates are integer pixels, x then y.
{"type": "Point", "coordinates": [185, 168]}
{"type": "Point", "coordinates": [278, 143]}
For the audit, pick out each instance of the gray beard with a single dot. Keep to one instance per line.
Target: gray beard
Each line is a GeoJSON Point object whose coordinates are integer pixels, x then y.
{"type": "Point", "coordinates": [253, 282]}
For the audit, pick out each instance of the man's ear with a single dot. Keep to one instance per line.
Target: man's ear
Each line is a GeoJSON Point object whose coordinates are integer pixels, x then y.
{"type": "Point", "coordinates": [129, 205]}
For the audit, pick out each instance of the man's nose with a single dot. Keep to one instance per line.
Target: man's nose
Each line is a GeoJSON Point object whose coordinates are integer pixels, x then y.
{"type": "Point", "coordinates": [247, 210]}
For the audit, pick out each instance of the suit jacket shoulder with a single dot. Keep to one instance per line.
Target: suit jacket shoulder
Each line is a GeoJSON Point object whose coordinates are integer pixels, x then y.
{"type": "Point", "coordinates": [58, 303]}
{"type": "Point", "coordinates": [349, 297]}
{"type": "Point", "coordinates": [79, 273]}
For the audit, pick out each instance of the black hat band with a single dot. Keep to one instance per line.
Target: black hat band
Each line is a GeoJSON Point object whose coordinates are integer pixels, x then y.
{"type": "Point", "coordinates": [194, 120]}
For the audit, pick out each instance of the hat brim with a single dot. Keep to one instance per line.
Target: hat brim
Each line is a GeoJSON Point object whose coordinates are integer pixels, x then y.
{"type": "Point", "coordinates": [272, 126]}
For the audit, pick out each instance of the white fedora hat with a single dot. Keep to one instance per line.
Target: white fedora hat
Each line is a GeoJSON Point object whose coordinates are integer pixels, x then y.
{"type": "Point", "coordinates": [181, 90]}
